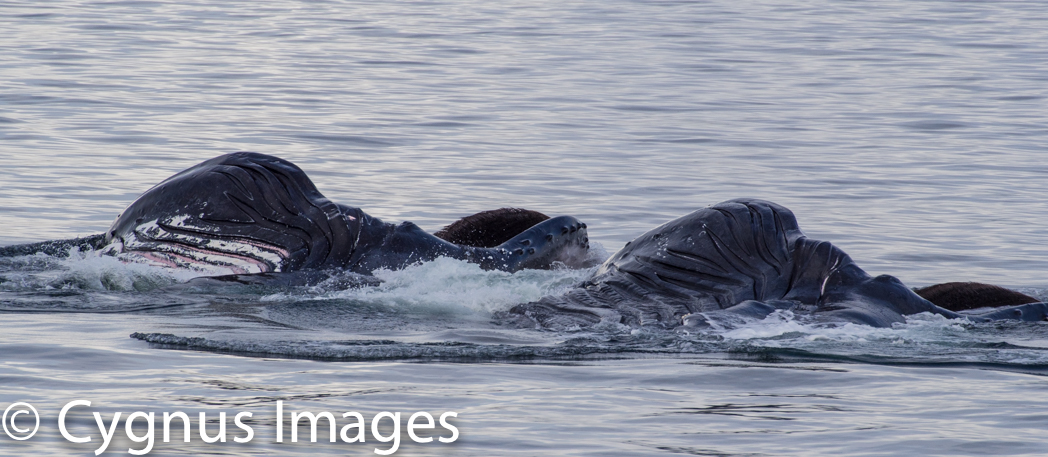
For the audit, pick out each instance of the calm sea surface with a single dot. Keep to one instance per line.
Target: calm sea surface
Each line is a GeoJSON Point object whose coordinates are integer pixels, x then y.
{"type": "Point", "coordinates": [912, 134]}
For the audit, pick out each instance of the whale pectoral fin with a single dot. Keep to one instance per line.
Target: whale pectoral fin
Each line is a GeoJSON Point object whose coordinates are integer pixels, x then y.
{"type": "Point", "coordinates": [562, 240]}
{"type": "Point", "coordinates": [488, 229]}
{"type": "Point", "coordinates": [960, 296]}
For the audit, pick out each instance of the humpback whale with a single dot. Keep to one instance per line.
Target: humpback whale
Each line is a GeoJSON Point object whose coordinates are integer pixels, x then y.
{"type": "Point", "coordinates": [739, 259]}
{"type": "Point", "coordinates": [245, 213]}
{"type": "Point", "coordinates": [250, 218]}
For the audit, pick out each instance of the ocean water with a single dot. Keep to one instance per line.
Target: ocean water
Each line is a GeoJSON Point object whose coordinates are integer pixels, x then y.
{"type": "Point", "coordinates": [912, 134]}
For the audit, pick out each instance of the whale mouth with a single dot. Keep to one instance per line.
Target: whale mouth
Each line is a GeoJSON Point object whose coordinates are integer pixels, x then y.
{"type": "Point", "coordinates": [182, 242]}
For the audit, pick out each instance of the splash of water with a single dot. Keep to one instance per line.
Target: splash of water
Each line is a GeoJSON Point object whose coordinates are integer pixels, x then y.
{"type": "Point", "coordinates": [448, 285]}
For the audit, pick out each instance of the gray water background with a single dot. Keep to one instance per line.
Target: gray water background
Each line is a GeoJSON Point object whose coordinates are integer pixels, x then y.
{"type": "Point", "coordinates": [911, 134]}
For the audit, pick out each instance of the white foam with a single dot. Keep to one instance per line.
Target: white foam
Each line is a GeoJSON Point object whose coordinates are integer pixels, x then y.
{"type": "Point", "coordinates": [454, 285]}
{"type": "Point", "coordinates": [91, 271]}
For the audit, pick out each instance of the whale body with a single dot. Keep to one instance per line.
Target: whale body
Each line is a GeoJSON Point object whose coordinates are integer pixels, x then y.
{"type": "Point", "coordinates": [739, 259]}
{"type": "Point", "coordinates": [258, 219]}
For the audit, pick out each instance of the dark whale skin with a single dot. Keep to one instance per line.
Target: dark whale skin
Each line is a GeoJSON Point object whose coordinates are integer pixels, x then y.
{"type": "Point", "coordinates": [261, 219]}
{"type": "Point", "coordinates": [253, 213]}
{"type": "Point", "coordinates": [961, 296]}
{"type": "Point", "coordinates": [488, 229]}
{"type": "Point", "coordinates": [739, 258]}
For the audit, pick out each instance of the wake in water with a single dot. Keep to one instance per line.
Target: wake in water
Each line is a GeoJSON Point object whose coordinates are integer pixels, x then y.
{"type": "Point", "coordinates": [442, 310]}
